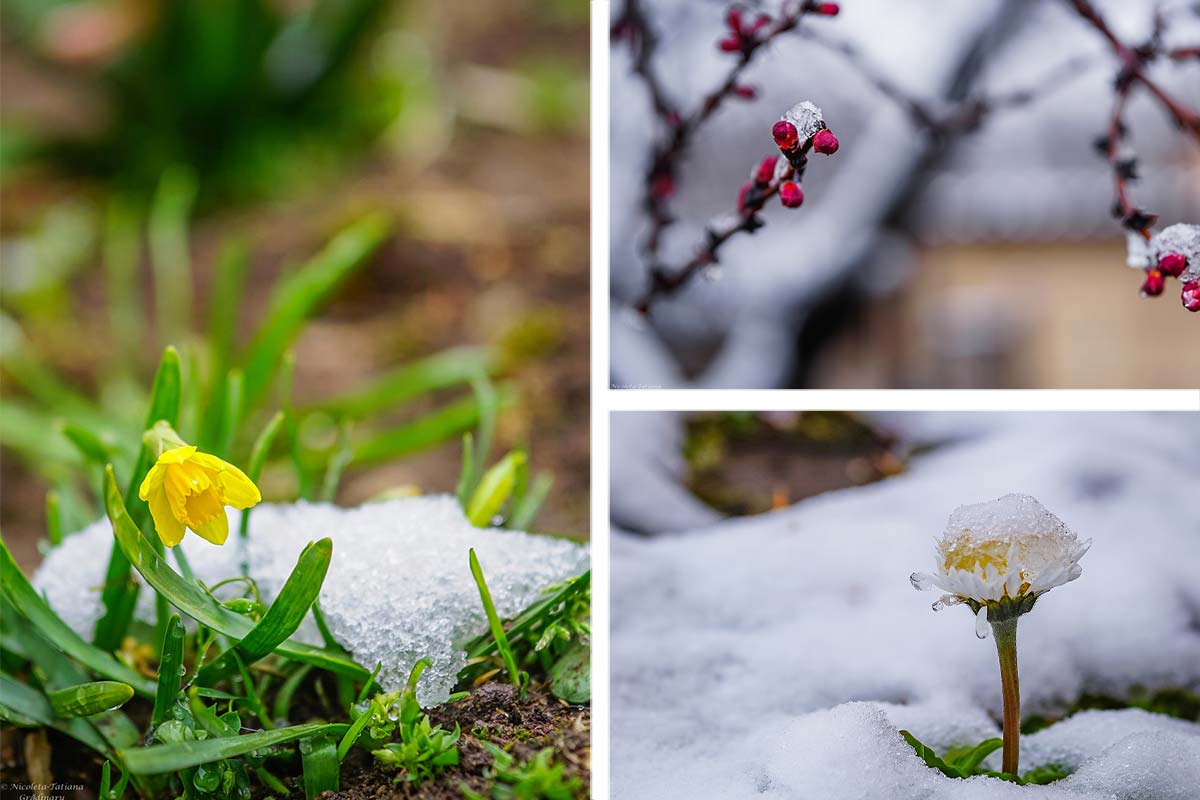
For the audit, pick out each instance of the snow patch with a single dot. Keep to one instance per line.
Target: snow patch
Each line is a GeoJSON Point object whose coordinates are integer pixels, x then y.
{"type": "Point", "coordinates": [399, 587]}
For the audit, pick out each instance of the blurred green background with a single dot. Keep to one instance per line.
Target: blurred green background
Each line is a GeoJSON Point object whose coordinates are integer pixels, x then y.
{"type": "Point", "coordinates": [144, 142]}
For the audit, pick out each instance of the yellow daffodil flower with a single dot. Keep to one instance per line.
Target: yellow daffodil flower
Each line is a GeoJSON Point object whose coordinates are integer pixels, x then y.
{"type": "Point", "coordinates": [189, 489]}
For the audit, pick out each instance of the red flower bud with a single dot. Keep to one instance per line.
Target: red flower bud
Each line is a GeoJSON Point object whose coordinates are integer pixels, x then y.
{"type": "Point", "coordinates": [745, 92]}
{"type": "Point", "coordinates": [827, 9]}
{"type": "Point", "coordinates": [785, 135]}
{"type": "Point", "coordinates": [825, 142]}
{"type": "Point", "coordinates": [766, 170]}
{"type": "Point", "coordinates": [1191, 295]}
{"type": "Point", "coordinates": [742, 195]}
{"type": "Point", "coordinates": [731, 44]}
{"type": "Point", "coordinates": [1154, 284]}
{"type": "Point", "coordinates": [663, 187]}
{"type": "Point", "coordinates": [1173, 264]}
{"type": "Point", "coordinates": [790, 194]}
{"type": "Point", "coordinates": [734, 19]}
{"type": "Point", "coordinates": [760, 23]}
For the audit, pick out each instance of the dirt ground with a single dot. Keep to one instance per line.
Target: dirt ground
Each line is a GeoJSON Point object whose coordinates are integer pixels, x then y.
{"type": "Point", "coordinates": [492, 713]}
{"type": "Point", "coordinates": [749, 462]}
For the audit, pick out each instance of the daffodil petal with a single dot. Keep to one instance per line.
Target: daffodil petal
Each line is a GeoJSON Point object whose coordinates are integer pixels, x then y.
{"type": "Point", "coordinates": [202, 507]}
{"type": "Point", "coordinates": [153, 481]}
{"type": "Point", "coordinates": [237, 489]}
{"type": "Point", "coordinates": [215, 529]}
{"type": "Point", "coordinates": [170, 529]}
{"type": "Point", "coordinates": [178, 489]}
{"type": "Point", "coordinates": [177, 455]}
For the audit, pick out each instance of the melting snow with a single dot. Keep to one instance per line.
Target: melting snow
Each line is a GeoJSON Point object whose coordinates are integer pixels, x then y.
{"type": "Point", "coordinates": [738, 649]}
{"type": "Point", "coordinates": [399, 587]}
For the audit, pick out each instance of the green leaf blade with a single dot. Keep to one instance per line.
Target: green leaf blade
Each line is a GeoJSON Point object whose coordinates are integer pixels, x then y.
{"type": "Point", "coordinates": [295, 298]}
{"type": "Point", "coordinates": [170, 670]}
{"type": "Point", "coordinates": [284, 615]}
{"type": "Point", "coordinates": [182, 755]}
{"type": "Point", "coordinates": [87, 699]}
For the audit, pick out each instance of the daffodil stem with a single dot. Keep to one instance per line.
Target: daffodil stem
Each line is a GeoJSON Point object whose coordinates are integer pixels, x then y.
{"type": "Point", "coordinates": [1005, 632]}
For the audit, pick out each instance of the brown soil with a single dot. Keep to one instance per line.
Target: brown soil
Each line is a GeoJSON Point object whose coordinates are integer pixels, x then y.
{"type": "Point", "coordinates": [748, 463]}
{"type": "Point", "coordinates": [492, 713]}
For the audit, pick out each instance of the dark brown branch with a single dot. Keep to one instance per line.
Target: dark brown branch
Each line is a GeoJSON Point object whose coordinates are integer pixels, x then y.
{"type": "Point", "coordinates": [1134, 63]}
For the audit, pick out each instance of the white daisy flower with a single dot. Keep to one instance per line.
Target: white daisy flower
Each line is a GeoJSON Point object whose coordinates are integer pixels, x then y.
{"type": "Point", "coordinates": [1001, 556]}
{"type": "Point", "coordinates": [998, 558]}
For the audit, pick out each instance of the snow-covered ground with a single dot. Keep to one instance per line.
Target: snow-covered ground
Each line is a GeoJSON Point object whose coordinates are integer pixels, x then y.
{"type": "Point", "coordinates": [399, 586]}
{"type": "Point", "coordinates": [739, 649]}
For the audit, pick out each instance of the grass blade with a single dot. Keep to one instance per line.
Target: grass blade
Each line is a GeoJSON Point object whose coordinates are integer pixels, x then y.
{"type": "Point", "coordinates": [485, 645]}
{"type": "Point", "coordinates": [931, 758]}
{"type": "Point", "coordinates": [969, 762]}
{"type": "Point", "coordinates": [88, 444]}
{"type": "Point", "coordinates": [198, 604]}
{"type": "Point", "coordinates": [439, 371]}
{"type": "Point", "coordinates": [342, 456]}
{"type": "Point", "coordinates": [489, 608]}
{"type": "Point", "coordinates": [168, 234]}
{"type": "Point", "coordinates": [87, 699]}
{"type": "Point", "coordinates": [170, 670]}
{"type": "Point", "coordinates": [319, 759]}
{"type": "Point", "coordinates": [225, 303]}
{"type": "Point", "coordinates": [230, 414]}
{"type": "Point", "coordinates": [488, 402]}
{"type": "Point", "coordinates": [54, 522]}
{"type": "Point", "coordinates": [121, 250]}
{"type": "Point", "coordinates": [258, 457]}
{"type": "Point", "coordinates": [443, 424]}
{"type": "Point", "coordinates": [283, 698]}
{"type": "Point", "coordinates": [463, 490]}
{"type": "Point", "coordinates": [23, 705]}
{"type": "Point", "coordinates": [494, 489]}
{"type": "Point", "coordinates": [283, 617]}
{"type": "Point", "coordinates": [21, 594]}
{"type": "Point", "coordinates": [295, 298]}
{"type": "Point", "coordinates": [525, 510]}
{"type": "Point", "coordinates": [174, 757]}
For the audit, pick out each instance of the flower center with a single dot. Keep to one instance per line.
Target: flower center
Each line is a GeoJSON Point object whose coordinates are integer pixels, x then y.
{"type": "Point", "coordinates": [965, 553]}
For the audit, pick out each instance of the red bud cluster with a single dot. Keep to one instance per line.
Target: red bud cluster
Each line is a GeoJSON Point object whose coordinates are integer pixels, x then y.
{"type": "Point", "coordinates": [1171, 265]}
{"type": "Point", "coordinates": [742, 36]}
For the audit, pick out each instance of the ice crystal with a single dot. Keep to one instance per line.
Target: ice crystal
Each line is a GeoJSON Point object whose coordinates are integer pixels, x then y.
{"type": "Point", "coordinates": [806, 117]}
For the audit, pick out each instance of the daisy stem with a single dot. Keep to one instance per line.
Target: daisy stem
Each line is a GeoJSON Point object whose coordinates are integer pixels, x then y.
{"type": "Point", "coordinates": [1005, 632]}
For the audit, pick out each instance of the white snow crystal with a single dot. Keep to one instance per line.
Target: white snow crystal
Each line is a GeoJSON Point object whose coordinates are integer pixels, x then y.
{"type": "Point", "coordinates": [399, 587]}
{"type": "Point", "coordinates": [806, 117]}
{"type": "Point", "coordinates": [735, 644]}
